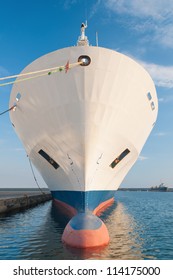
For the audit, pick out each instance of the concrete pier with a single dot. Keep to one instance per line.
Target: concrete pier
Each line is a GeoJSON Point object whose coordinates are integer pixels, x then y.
{"type": "Point", "coordinates": [10, 202]}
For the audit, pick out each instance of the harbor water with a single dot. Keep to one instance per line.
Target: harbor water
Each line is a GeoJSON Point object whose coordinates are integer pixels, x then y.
{"type": "Point", "coordinates": [140, 226]}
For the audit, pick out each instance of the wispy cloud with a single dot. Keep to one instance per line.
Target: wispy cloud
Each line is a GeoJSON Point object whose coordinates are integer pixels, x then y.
{"type": "Point", "coordinates": [160, 134]}
{"type": "Point", "coordinates": [156, 9]}
{"type": "Point", "coordinates": [19, 149]}
{"type": "Point", "coordinates": [161, 99]}
{"type": "Point", "coordinates": [94, 8]}
{"type": "Point", "coordinates": [153, 18]}
{"type": "Point", "coordinates": [142, 158]}
{"type": "Point", "coordinates": [3, 71]}
{"type": "Point", "coordinates": [162, 75]}
{"type": "Point", "coordinates": [68, 3]}
{"type": "Point", "coordinates": [11, 149]}
{"type": "Point", "coordinates": [90, 9]}
{"type": "Point", "coordinates": [166, 99]}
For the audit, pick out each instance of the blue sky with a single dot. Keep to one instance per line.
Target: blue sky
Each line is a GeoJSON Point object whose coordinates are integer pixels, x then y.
{"type": "Point", "coordinates": [142, 29]}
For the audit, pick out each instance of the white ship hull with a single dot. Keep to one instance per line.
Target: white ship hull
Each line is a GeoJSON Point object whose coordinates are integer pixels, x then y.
{"type": "Point", "coordinates": [84, 129]}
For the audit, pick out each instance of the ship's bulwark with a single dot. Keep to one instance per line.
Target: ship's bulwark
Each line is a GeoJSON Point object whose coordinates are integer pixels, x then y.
{"type": "Point", "coordinates": [84, 129]}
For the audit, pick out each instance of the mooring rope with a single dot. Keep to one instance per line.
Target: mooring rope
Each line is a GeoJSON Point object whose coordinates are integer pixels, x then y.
{"type": "Point", "coordinates": [14, 106]}
{"type": "Point", "coordinates": [41, 73]}
{"type": "Point", "coordinates": [32, 170]}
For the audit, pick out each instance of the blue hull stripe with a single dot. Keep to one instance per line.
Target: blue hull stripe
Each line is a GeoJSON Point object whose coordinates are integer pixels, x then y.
{"type": "Point", "coordinates": [83, 201]}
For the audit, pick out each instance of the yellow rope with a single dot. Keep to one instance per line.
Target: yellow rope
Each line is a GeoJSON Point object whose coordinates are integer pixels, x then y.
{"type": "Point", "coordinates": [21, 80]}
{"type": "Point", "coordinates": [48, 72]}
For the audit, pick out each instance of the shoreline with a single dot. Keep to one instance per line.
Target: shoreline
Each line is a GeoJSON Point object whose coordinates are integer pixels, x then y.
{"type": "Point", "coordinates": [145, 190]}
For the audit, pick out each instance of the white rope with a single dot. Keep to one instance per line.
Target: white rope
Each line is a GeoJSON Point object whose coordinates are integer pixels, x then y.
{"type": "Point", "coordinates": [39, 71]}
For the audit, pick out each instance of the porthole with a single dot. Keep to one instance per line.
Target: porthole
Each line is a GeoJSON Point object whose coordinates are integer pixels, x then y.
{"type": "Point", "coordinates": [152, 106]}
{"type": "Point", "coordinates": [18, 96]}
{"type": "Point", "coordinates": [85, 60]}
{"type": "Point", "coordinates": [149, 96]}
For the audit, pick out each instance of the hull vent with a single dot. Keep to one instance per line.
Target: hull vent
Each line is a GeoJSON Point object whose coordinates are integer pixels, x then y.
{"type": "Point", "coordinates": [119, 158]}
{"type": "Point", "coordinates": [49, 159]}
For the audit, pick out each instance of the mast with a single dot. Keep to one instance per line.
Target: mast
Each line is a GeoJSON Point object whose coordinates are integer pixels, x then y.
{"type": "Point", "coordinates": [82, 39]}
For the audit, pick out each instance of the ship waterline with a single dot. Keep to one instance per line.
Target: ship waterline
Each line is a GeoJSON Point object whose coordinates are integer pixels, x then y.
{"type": "Point", "coordinates": [83, 129]}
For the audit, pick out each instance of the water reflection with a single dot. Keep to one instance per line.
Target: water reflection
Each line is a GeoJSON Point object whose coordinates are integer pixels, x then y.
{"type": "Point", "coordinates": [37, 235]}
{"type": "Point", "coordinates": [124, 240]}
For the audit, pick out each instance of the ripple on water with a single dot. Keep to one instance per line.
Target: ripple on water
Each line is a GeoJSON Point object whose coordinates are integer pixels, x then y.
{"type": "Point", "coordinates": [140, 226]}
